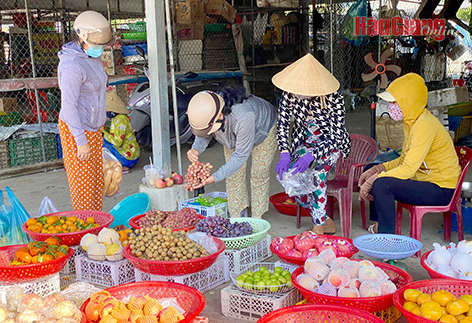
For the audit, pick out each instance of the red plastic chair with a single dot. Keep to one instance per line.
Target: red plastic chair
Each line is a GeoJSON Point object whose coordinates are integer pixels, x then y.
{"type": "Point", "coordinates": [363, 151]}
{"type": "Point", "coordinates": [417, 211]}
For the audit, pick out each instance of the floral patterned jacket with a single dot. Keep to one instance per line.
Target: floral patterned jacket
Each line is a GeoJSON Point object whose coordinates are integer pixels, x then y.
{"type": "Point", "coordinates": [121, 135]}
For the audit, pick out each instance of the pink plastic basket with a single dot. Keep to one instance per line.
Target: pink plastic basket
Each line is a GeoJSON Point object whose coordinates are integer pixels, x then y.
{"type": "Point", "coordinates": [190, 299]}
{"type": "Point", "coordinates": [319, 313]}
{"type": "Point", "coordinates": [174, 268]}
{"type": "Point", "coordinates": [369, 304]}
{"type": "Point", "coordinates": [22, 273]}
{"type": "Point", "coordinates": [133, 222]}
{"type": "Point", "coordinates": [73, 238]}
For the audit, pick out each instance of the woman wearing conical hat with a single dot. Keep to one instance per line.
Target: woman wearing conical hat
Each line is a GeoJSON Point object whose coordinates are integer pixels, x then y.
{"type": "Point", "coordinates": [318, 136]}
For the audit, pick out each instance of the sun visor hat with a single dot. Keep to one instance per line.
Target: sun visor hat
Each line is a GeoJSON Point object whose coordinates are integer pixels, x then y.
{"type": "Point", "coordinates": [93, 28]}
{"type": "Point", "coordinates": [387, 96]}
{"type": "Point", "coordinates": [203, 111]}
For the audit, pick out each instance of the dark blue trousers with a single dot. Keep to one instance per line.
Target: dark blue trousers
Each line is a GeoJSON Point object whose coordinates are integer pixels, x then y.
{"type": "Point", "coordinates": [387, 190]}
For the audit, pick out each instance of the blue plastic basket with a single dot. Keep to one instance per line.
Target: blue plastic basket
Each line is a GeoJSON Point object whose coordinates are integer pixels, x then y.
{"type": "Point", "coordinates": [387, 246]}
{"type": "Point", "coordinates": [130, 50]}
{"type": "Point", "coordinates": [131, 206]}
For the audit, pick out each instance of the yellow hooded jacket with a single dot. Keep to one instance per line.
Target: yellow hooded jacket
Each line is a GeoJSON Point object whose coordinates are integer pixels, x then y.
{"type": "Point", "coordinates": [428, 153]}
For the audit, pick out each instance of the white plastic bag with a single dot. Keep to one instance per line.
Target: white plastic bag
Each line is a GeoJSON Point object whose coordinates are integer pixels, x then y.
{"type": "Point", "coordinates": [47, 206]}
{"type": "Point", "coordinates": [299, 183]}
{"type": "Point", "coordinates": [112, 172]}
{"type": "Point", "coordinates": [206, 241]}
{"type": "Point", "coordinates": [151, 174]}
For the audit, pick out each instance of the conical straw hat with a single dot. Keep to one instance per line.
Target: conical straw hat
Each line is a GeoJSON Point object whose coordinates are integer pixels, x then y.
{"type": "Point", "coordinates": [115, 104]}
{"type": "Point", "coordinates": [306, 77]}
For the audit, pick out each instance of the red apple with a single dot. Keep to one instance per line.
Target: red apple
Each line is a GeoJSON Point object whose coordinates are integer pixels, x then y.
{"type": "Point", "coordinates": [178, 179]}
{"type": "Point", "coordinates": [160, 183]}
{"type": "Point", "coordinates": [169, 182]}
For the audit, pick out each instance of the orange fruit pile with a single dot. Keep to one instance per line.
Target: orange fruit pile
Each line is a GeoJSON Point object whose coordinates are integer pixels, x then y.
{"type": "Point", "coordinates": [64, 224]}
{"type": "Point", "coordinates": [39, 252]}
{"type": "Point", "coordinates": [441, 306]}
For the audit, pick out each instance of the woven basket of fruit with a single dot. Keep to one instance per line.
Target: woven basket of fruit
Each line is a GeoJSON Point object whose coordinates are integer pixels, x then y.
{"type": "Point", "coordinates": [20, 263]}
{"type": "Point", "coordinates": [184, 219]}
{"type": "Point", "coordinates": [115, 303]}
{"type": "Point", "coordinates": [431, 300]}
{"type": "Point", "coordinates": [264, 277]}
{"type": "Point", "coordinates": [69, 226]}
{"type": "Point", "coordinates": [363, 284]}
{"type": "Point", "coordinates": [286, 205]}
{"type": "Point", "coordinates": [296, 249]}
{"type": "Point", "coordinates": [174, 254]}
{"type": "Point", "coordinates": [446, 262]}
{"type": "Point", "coordinates": [319, 313]}
{"type": "Point", "coordinates": [236, 233]}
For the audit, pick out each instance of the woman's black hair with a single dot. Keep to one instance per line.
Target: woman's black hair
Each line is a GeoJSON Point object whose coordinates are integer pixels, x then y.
{"type": "Point", "coordinates": [232, 96]}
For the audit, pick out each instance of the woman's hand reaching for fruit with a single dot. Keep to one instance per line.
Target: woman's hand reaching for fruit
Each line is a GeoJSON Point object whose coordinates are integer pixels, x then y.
{"type": "Point", "coordinates": [205, 182]}
{"type": "Point", "coordinates": [192, 155]}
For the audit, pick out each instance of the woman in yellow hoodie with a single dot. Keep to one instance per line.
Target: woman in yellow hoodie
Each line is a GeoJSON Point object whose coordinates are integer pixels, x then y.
{"type": "Point", "coordinates": [427, 171]}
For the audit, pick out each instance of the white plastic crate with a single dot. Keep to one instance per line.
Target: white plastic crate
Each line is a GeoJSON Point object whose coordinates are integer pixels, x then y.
{"type": "Point", "coordinates": [205, 280]}
{"type": "Point", "coordinates": [248, 306]}
{"type": "Point", "coordinates": [43, 287]}
{"type": "Point", "coordinates": [67, 279]}
{"type": "Point", "coordinates": [69, 268]}
{"type": "Point", "coordinates": [105, 273]}
{"type": "Point", "coordinates": [220, 209]}
{"type": "Point", "coordinates": [255, 253]}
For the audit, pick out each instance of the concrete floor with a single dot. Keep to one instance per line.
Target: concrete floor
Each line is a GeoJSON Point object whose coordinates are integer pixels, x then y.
{"type": "Point", "coordinates": [31, 189]}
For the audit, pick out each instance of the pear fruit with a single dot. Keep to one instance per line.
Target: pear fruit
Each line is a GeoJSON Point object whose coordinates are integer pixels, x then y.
{"type": "Point", "coordinates": [87, 240]}
{"type": "Point", "coordinates": [108, 236]}
{"type": "Point", "coordinates": [97, 251]}
{"type": "Point", "coordinates": [114, 252]}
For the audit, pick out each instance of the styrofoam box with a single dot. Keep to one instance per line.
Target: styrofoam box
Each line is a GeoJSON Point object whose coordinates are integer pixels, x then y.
{"type": "Point", "coordinates": [191, 62]}
{"type": "Point", "coordinates": [220, 209]}
{"type": "Point", "coordinates": [255, 253]}
{"type": "Point", "coordinates": [248, 306]}
{"type": "Point", "coordinates": [105, 273]}
{"type": "Point", "coordinates": [69, 268]}
{"type": "Point", "coordinates": [214, 276]}
{"type": "Point", "coordinates": [448, 96]}
{"type": "Point", "coordinates": [189, 47]}
{"type": "Point", "coordinates": [43, 287]}
{"type": "Point", "coordinates": [67, 279]}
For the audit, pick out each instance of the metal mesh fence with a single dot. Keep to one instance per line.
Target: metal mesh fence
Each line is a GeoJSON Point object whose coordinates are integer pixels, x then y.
{"type": "Point", "coordinates": [257, 37]}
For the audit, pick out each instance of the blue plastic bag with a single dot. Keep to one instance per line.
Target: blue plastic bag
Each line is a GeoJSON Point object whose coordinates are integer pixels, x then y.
{"type": "Point", "coordinates": [359, 9]}
{"type": "Point", "coordinates": [18, 216]}
{"type": "Point", "coordinates": [6, 213]}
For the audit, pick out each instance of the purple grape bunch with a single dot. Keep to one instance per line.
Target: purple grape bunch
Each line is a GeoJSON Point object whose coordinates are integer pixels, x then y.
{"type": "Point", "coordinates": [220, 227]}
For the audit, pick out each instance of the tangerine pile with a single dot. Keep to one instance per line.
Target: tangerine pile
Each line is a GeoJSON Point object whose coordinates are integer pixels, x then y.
{"type": "Point", "coordinates": [441, 306]}
{"type": "Point", "coordinates": [39, 252]}
{"type": "Point", "coordinates": [64, 224]}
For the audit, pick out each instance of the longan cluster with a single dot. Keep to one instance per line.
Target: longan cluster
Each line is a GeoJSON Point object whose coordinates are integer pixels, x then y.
{"type": "Point", "coordinates": [197, 172]}
{"type": "Point", "coordinates": [163, 244]}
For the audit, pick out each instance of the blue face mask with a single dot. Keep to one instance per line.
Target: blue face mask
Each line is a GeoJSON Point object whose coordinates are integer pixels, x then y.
{"type": "Point", "coordinates": [95, 51]}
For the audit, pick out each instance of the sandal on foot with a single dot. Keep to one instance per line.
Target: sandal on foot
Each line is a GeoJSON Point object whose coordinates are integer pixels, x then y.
{"type": "Point", "coordinates": [373, 229]}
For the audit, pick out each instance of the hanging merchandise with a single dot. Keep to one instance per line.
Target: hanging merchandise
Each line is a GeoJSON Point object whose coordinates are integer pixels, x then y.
{"type": "Point", "coordinates": [433, 66]}
{"type": "Point", "coordinates": [258, 29]}
{"type": "Point", "coordinates": [455, 48]}
{"type": "Point", "coordinates": [360, 9]}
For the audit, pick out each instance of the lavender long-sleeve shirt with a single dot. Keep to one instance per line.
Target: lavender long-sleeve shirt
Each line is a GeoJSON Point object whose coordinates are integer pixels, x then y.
{"type": "Point", "coordinates": [83, 82]}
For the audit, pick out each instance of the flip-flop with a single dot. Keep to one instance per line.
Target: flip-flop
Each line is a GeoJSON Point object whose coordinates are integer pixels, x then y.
{"type": "Point", "coordinates": [372, 228]}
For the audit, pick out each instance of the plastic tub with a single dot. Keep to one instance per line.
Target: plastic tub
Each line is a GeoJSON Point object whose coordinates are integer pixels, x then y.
{"type": "Point", "coordinates": [288, 209]}
{"type": "Point", "coordinates": [129, 207]}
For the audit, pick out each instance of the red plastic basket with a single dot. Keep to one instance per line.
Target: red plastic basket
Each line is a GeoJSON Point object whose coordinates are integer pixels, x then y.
{"type": "Point", "coordinates": [133, 222]}
{"type": "Point", "coordinates": [190, 299]}
{"type": "Point", "coordinates": [287, 209]}
{"type": "Point", "coordinates": [369, 304]}
{"type": "Point", "coordinates": [432, 273]}
{"type": "Point", "coordinates": [73, 238]}
{"type": "Point", "coordinates": [301, 261]}
{"type": "Point", "coordinates": [319, 313]}
{"type": "Point", "coordinates": [174, 268]}
{"type": "Point", "coordinates": [22, 273]}
{"type": "Point", "coordinates": [455, 286]}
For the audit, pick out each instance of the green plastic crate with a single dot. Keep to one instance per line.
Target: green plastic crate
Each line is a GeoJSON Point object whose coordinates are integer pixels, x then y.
{"type": "Point", "coordinates": [28, 150]}
{"type": "Point", "coordinates": [138, 27]}
{"type": "Point", "coordinates": [139, 36]}
{"type": "Point", "coordinates": [4, 160]}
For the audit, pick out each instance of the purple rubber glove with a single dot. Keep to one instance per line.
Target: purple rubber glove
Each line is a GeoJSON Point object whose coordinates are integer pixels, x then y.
{"type": "Point", "coordinates": [303, 163]}
{"type": "Point", "coordinates": [283, 164]}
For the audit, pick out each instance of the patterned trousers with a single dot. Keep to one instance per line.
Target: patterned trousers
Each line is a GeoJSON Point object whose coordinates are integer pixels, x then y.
{"type": "Point", "coordinates": [236, 186]}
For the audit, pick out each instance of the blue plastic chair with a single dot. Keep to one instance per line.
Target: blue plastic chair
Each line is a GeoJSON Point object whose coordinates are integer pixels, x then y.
{"type": "Point", "coordinates": [132, 205]}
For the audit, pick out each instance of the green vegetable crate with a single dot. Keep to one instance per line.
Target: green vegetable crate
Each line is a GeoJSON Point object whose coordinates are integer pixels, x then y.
{"type": "Point", "coordinates": [219, 209]}
{"type": "Point", "coordinates": [28, 150]}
